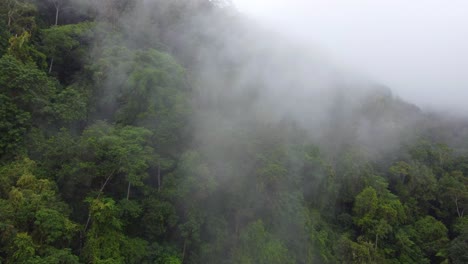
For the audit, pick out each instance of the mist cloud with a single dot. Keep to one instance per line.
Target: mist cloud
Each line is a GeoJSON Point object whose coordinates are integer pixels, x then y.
{"type": "Point", "coordinates": [417, 48]}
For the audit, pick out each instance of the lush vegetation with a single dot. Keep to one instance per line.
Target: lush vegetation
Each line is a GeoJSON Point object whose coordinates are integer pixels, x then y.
{"type": "Point", "coordinates": [99, 162]}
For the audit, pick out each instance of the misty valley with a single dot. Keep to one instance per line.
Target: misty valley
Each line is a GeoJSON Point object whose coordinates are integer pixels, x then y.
{"type": "Point", "coordinates": [180, 131]}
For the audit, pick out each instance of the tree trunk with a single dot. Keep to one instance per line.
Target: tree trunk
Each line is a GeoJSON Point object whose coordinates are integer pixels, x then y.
{"type": "Point", "coordinates": [98, 196]}
{"type": "Point", "coordinates": [460, 214]}
{"type": "Point", "coordinates": [51, 65]}
{"type": "Point", "coordinates": [88, 221]}
{"type": "Point", "coordinates": [128, 190]}
{"type": "Point", "coordinates": [183, 250]}
{"type": "Point", "coordinates": [57, 6]}
{"type": "Point", "coordinates": [57, 10]}
{"type": "Point", "coordinates": [159, 177]}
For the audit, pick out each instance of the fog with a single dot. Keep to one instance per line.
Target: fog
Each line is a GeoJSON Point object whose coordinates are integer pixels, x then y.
{"type": "Point", "coordinates": [276, 118]}
{"type": "Point", "coordinates": [323, 65]}
{"type": "Point", "coordinates": [417, 48]}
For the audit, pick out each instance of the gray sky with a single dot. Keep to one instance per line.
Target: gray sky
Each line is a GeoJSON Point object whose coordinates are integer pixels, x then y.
{"type": "Point", "coordinates": [419, 48]}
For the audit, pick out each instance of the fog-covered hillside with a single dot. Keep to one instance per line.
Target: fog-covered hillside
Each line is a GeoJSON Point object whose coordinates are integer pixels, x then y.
{"type": "Point", "coordinates": [181, 131]}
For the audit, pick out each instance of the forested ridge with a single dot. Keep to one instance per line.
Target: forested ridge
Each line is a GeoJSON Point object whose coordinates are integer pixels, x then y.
{"type": "Point", "coordinates": [136, 131]}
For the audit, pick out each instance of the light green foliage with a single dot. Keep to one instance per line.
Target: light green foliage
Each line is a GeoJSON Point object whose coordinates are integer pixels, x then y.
{"type": "Point", "coordinates": [19, 16]}
{"type": "Point", "coordinates": [409, 251]}
{"type": "Point", "coordinates": [23, 248]}
{"type": "Point", "coordinates": [21, 49]}
{"type": "Point", "coordinates": [14, 124]}
{"type": "Point", "coordinates": [29, 98]}
{"type": "Point", "coordinates": [163, 254]}
{"type": "Point", "coordinates": [53, 226]}
{"type": "Point", "coordinates": [60, 40]}
{"type": "Point", "coordinates": [378, 217]}
{"type": "Point", "coordinates": [105, 240]}
{"type": "Point", "coordinates": [435, 155]}
{"type": "Point", "coordinates": [198, 181]}
{"type": "Point", "coordinates": [113, 151]}
{"type": "Point", "coordinates": [458, 247]}
{"type": "Point", "coordinates": [4, 37]}
{"type": "Point", "coordinates": [195, 185]}
{"type": "Point", "coordinates": [257, 245]}
{"type": "Point", "coordinates": [322, 239]}
{"type": "Point", "coordinates": [71, 104]}
{"type": "Point", "coordinates": [416, 184]}
{"type": "Point", "coordinates": [289, 222]}
{"type": "Point", "coordinates": [27, 87]}
{"type": "Point", "coordinates": [129, 208]}
{"type": "Point", "coordinates": [365, 206]}
{"type": "Point", "coordinates": [158, 218]}
{"type": "Point", "coordinates": [172, 260]}
{"type": "Point", "coordinates": [353, 174]}
{"type": "Point", "coordinates": [28, 196]}
{"type": "Point", "coordinates": [271, 175]}
{"type": "Point", "coordinates": [355, 252]}
{"type": "Point", "coordinates": [58, 160]}
{"type": "Point", "coordinates": [134, 250]}
{"type": "Point", "coordinates": [150, 90]}
{"type": "Point", "coordinates": [65, 47]}
{"type": "Point", "coordinates": [320, 178]}
{"type": "Point", "coordinates": [9, 174]}
{"type": "Point", "coordinates": [454, 192]}
{"type": "Point", "coordinates": [430, 235]}
{"type": "Point", "coordinates": [105, 236]}
{"type": "Point", "coordinates": [57, 256]}
{"type": "Point", "coordinates": [34, 221]}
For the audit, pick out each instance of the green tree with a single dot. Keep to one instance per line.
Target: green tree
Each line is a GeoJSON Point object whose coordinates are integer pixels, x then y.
{"type": "Point", "coordinates": [113, 151]}
{"type": "Point", "coordinates": [196, 184]}
{"type": "Point", "coordinates": [29, 88]}
{"type": "Point", "coordinates": [454, 191]}
{"type": "Point", "coordinates": [65, 47]}
{"type": "Point", "coordinates": [416, 185]}
{"type": "Point", "coordinates": [23, 249]}
{"type": "Point", "coordinates": [355, 252]}
{"type": "Point", "coordinates": [257, 245]}
{"type": "Point", "coordinates": [19, 14]}
{"type": "Point", "coordinates": [430, 235]}
{"type": "Point", "coordinates": [21, 49]}
{"type": "Point", "coordinates": [377, 216]}
{"type": "Point", "coordinates": [458, 247]}
{"type": "Point", "coordinates": [35, 224]}
{"type": "Point", "coordinates": [407, 249]}
{"type": "Point", "coordinates": [71, 105]}
{"type": "Point", "coordinates": [26, 96]}
{"type": "Point", "coordinates": [4, 37]}
{"type": "Point", "coordinates": [150, 91]}
{"type": "Point", "coordinates": [53, 227]}
{"type": "Point", "coordinates": [14, 124]}
{"type": "Point", "coordinates": [104, 237]}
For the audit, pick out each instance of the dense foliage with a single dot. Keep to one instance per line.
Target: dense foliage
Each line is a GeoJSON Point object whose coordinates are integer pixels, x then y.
{"type": "Point", "coordinates": [99, 162]}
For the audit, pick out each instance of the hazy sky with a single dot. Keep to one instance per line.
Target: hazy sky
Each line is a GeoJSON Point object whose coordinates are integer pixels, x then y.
{"type": "Point", "coordinates": [419, 48]}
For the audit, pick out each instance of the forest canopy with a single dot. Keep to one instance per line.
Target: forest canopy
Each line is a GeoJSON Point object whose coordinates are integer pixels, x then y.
{"type": "Point", "coordinates": [139, 131]}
